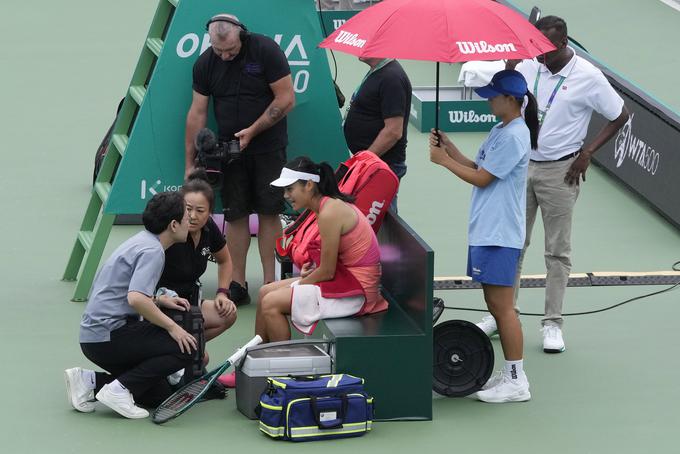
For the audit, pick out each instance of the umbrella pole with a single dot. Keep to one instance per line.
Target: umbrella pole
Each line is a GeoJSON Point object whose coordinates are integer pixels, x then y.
{"type": "Point", "coordinates": [436, 105]}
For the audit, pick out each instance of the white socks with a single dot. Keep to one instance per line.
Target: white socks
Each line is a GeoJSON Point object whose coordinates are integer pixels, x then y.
{"type": "Point", "coordinates": [88, 378]}
{"type": "Point", "coordinates": [513, 369]}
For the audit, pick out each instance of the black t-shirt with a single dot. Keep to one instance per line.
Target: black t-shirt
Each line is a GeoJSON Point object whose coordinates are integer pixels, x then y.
{"type": "Point", "coordinates": [386, 93]}
{"type": "Point", "coordinates": [185, 263]}
{"type": "Point", "coordinates": [240, 89]}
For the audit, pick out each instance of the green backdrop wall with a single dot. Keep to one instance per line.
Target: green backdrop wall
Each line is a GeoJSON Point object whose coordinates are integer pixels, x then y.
{"type": "Point", "coordinates": [154, 158]}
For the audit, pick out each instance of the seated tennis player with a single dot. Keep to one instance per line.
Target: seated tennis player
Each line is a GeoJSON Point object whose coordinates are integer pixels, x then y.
{"type": "Point", "coordinates": [339, 277]}
{"type": "Point", "coordinates": [123, 329]}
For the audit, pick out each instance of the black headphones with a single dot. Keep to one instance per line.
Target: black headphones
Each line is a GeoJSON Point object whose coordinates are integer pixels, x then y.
{"type": "Point", "coordinates": [243, 34]}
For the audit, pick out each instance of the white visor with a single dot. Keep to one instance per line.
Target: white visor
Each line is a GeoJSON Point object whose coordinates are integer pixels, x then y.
{"type": "Point", "coordinates": [289, 176]}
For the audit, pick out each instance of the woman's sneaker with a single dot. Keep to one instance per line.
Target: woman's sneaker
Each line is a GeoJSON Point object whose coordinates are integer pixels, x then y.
{"type": "Point", "coordinates": [552, 339]}
{"type": "Point", "coordinates": [488, 325]}
{"type": "Point", "coordinates": [121, 403]}
{"type": "Point", "coordinates": [80, 396]}
{"type": "Point", "coordinates": [495, 379]}
{"type": "Point", "coordinates": [507, 390]}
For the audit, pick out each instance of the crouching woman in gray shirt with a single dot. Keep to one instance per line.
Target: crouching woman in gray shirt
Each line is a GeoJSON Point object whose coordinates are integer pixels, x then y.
{"type": "Point", "coordinates": [123, 329]}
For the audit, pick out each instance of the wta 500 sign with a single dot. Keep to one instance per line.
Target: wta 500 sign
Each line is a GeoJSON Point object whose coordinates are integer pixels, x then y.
{"type": "Point", "coordinates": [627, 146]}
{"type": "Point", "coordinates": [191, 44]}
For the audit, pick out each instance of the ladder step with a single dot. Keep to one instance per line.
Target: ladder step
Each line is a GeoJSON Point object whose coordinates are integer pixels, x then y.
{"type": "Point", "coordinates": [103, 190]}
{"type": "Point", "coordinates": [155, 45]}
{"type": "Point", "coordinates": [137, 92]}
{"type": "Point", "coordinates": [120, 141]}
{"type": "Point", "coordinates": [86, 237]}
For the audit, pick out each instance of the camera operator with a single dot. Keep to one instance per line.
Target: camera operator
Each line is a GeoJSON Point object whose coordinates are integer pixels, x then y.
{"type": "Point", "coordinates": [249, 79]}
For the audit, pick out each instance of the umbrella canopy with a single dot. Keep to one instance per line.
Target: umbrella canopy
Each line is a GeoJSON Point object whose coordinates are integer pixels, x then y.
{"type": "Point", "coordinates": [439, 30]}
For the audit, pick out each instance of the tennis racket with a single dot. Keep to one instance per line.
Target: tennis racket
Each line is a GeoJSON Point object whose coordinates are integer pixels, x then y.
{"type": "Point", "coordinates": [188, 395]}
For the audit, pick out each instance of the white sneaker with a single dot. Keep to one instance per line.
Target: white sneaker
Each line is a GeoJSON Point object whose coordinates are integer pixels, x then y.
{"type": "Point", "coordinates": [80, 396]}
{"type": "Point", "coordinates": [494, 380]}
{"type": "Point", "coordinates": [552, 339]}
{"type": "Point", "coordinates": [490, 383]}
{"type": "Point", "coordinates": [488, 325]}
{"type": "Point", "coordinates": [507, 390]}
{"type": "Point", "coordinates": [123, 404]}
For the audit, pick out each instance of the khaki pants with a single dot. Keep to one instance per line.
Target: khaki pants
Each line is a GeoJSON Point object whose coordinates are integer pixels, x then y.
{"type": "Point", "coordinates": [547, 190]}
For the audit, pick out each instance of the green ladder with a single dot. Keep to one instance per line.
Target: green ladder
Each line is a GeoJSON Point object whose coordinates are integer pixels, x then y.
{"type": "Point", "coordinates": [96, 226]}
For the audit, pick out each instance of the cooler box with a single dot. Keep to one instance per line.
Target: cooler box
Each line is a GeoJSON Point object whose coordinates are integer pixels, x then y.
{"type": "Point", "coordinates": [277, 359]}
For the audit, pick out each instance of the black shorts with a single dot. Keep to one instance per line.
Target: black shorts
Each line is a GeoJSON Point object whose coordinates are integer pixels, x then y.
{"type": "Point", "coordinates": [246, 188]}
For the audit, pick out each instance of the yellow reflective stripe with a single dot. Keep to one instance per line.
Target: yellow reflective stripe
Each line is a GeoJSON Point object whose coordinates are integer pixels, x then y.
{"type": "Point", "coordinates": [353, 424]}
{"type": "Point", "coordinates": [273, 431]}
{"type": "Point", "coordinates": [270, 407]}
{"type": "Point", "coordinates": [325, 432]}
{"type": "Point", "coordinates": [278, 383]}
{"type": "Point", "coordinates": [288, 408]}
{"type": "Point", "coordinates": [333, 382]}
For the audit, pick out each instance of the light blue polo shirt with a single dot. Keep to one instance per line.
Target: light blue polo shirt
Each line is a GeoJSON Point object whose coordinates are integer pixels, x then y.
{"type": "Point", "coordinates": [135, 266]}
{"type": "Point", "coordinates": [498, 211]}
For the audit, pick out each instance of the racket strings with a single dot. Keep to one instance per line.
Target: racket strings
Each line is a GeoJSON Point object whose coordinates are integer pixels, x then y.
{"type": "Point", "coordinates": [189, 394]}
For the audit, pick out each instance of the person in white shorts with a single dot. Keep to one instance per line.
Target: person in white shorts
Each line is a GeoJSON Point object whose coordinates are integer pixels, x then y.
{"type": "Point", "coordinates": [340, 275]}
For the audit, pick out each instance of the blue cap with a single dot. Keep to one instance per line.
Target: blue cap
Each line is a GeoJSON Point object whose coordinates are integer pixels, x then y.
{"type": "Point", "coordinates": [507, 82]}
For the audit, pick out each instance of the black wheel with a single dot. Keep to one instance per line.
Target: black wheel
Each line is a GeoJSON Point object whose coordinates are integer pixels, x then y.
{"type": "Point", "coordinates": [462, 360]}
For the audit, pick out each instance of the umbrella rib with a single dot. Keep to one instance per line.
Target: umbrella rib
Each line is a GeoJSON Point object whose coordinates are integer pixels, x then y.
{"type": "Point", "coordinates": [448, 33]}
{"type": "Point", "coordinates": [377, 32]}
{"type": "Point", "coordinates": [508, 25]}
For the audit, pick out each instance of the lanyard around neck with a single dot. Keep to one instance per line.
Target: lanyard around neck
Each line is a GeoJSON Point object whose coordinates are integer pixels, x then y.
{"type": "Point", "coordinates": [544, 112]}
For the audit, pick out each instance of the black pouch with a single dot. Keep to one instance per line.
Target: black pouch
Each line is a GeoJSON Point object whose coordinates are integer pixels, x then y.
{"type": "Point", "coordinates": [339, 95]}
{"type": "Point", "coordinates": [192, 322]}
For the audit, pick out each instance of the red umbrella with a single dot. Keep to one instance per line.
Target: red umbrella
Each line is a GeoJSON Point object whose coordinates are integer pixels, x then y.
{"type": "Point", "coordinates": [440, 31]}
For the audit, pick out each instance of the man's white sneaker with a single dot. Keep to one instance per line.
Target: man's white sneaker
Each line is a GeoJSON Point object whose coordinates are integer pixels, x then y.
{"type": "Point", "coordinates": [123, 403]}
{"type": "Point", "coordinates": [80, 396]}
{"type": "Point", "coordinates": [552, 339]}
{"type": "Point", "coordinates": [507, 390]}
{"type": "Point", "coordinates": [488, 325]}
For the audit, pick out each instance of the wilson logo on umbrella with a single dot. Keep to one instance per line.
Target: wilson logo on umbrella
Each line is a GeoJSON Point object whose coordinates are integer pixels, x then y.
{"type": "Point", "coordinates": [350, 39]}
{"type": "Point", "coordinates": [482, 47]}
{"type": "Point", "coordinates": [439, 31]}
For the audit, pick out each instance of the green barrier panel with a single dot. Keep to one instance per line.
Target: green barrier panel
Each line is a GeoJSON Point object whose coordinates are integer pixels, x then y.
{"type": "Point", "coordinates": [460, 110]}
{"type": "Point", "coordinates": [154, 156]}
{"type": "Point", "coordinates": [334, 19]}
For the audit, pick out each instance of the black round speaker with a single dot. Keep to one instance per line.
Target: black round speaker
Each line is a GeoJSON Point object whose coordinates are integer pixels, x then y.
{"type": "Point", "coordinates": [463, 358]}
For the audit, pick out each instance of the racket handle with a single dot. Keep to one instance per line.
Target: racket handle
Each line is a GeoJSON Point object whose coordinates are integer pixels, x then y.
{"type": "Point", "coordinates": [233, 359]}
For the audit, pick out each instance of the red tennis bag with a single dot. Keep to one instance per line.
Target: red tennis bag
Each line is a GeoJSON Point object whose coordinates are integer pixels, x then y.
{"type": "Point", "coordinates": [365, 176]}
